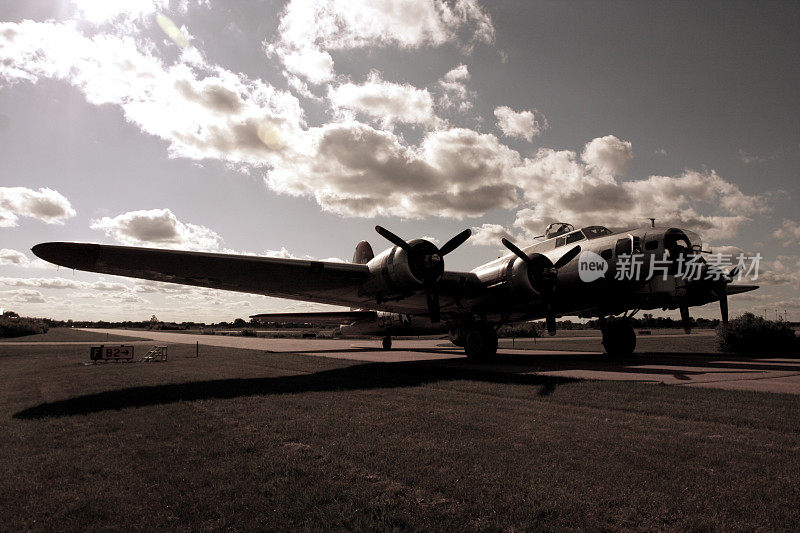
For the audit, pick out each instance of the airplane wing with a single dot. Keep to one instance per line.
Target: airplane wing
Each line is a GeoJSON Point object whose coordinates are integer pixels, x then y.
{"type": "Point", "coordinates": [297, 279]}
{"type": "Point", "coordinates": [323, 317]}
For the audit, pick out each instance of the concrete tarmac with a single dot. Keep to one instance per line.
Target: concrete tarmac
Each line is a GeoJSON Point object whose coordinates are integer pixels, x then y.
{"type": "Point", "coordinates": [762, 373]}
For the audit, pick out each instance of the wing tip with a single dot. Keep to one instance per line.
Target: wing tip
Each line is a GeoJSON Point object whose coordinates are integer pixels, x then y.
{"type": "Point", "coordinates": [80, 256]}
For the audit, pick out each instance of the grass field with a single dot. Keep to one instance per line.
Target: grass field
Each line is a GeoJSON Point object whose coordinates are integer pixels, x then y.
{"type": "Point", "coordinates": [72, 335]}
{"type": "Point", "coordinates": [673, 343]}
{"type": "Point", "coordinates": [245, 439]}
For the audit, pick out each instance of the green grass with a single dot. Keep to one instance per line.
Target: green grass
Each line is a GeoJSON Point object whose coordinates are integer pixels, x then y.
{"type": "Point", "coordinates": [70, 335]}
{"type": "Point", "coordinates": [673, 343]}
{"type": "Point", "coordinates": [243, 439]}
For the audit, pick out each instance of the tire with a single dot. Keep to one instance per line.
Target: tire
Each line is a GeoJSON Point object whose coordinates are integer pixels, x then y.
{"type": "Point", "coordinates": [387, 343]}
{"type": "Point", "coordinates": [481, 343]}
{"type": "Point", "coordinates": [619, 339]}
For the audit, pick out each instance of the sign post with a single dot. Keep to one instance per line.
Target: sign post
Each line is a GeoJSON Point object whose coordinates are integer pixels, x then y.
{"type": "Point", "coordinates": [111, 353]}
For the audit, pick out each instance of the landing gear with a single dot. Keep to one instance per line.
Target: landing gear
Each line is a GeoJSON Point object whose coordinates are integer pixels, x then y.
{"type": "Point", "coordinates": [481, 343]}
{"type": "Point", "coordinates": [387, 343]}
{"type": "Point", "coordinates": [619, 338]}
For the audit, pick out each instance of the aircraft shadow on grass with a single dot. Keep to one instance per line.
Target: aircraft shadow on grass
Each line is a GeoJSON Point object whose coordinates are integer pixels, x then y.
{"type": "Point", "coordinates": [356, 377]}
{"type": "Point", "coordinates": [516, 369]}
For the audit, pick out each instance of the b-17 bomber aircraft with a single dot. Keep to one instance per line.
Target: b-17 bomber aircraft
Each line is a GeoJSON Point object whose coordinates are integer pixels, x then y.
{"type": "Point", "coordinates": [406, 289]}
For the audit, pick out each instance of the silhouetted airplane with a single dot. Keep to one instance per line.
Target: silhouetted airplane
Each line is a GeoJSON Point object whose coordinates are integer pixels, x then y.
{"type": "Point", "coordinates": [407, 290]}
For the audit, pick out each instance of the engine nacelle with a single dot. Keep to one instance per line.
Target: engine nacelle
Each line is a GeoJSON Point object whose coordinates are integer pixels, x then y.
{"type": "Point", "coordinates": [392, 274]}
{"type": "Point", "coordinates": [522, 281]}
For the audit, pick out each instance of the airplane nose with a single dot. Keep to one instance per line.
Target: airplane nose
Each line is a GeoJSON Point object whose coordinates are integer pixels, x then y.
{"type": "Point", "coordinates": [75, 255]}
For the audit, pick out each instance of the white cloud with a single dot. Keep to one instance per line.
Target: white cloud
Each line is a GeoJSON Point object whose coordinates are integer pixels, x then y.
{"type": "Point", "coordinates": [388, 102]}
{"type": "Point", "coordinates": [789, 233]}
{"type": "Point", "coordinates": [202, 110]}
{"type": "Point", "coordinates": [310, 28]}
{"type": "Point", "coordinates": [559, 186]}
{"type": "Point", "coordinates": [23, 296]}
{"type": "Point", "coordinates": [490, 235]}
{"type": "Point", "coordinates": [100, 11]}
{"type": "Point", "coordinates": [454, 89]}
{"type": "Point", "coordinates": [308, 62]}
{"type": "Point", "coordinates": [353, 169]}
{"type": "Point", "coordinates": [780, 271]}
{"type": "Point", "coordinates": [63, 283]}
{"type": "Point", "coordinates": [13, 257]}
{"type": "Point", "coordinates": [16, 258]}
{"type": "Point", "coordinates": [523, 124]}
{"type": "Point", "coordinates": [157, 227]}
{"type": "Point", "coordinates": [46, 205]}
{"type": "Point", "coordinates": [608, 154]}
{"type": "Point", "coordinates": [283, 253]}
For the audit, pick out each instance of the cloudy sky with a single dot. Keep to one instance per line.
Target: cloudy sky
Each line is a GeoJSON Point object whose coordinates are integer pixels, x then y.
{"type": "Point", "coordinates": [292, 128]}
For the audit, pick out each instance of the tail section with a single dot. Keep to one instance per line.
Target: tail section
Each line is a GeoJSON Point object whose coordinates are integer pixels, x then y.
{"type": "Point", "coordinates": [363, 253]}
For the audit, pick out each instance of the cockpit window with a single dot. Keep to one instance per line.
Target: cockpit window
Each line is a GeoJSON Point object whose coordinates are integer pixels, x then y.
{"type": "Point", "coordinates": [676, 243]}
{"type": "Point", "coordinates": [593, 232]}
{"type": "Point", "coordinates": [575, 236]}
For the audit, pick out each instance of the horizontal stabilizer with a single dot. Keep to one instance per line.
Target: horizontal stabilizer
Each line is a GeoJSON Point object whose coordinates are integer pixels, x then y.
{"type": "Point", "coordinates": [736, 289]}
{"type": "Point", "coordinates": [323, 317]}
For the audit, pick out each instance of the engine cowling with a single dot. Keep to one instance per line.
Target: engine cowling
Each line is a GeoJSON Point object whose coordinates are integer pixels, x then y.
{"type": "Point", "coordinates": [531, 280]}
{"type": "Point", "coordinates": [394, 273]}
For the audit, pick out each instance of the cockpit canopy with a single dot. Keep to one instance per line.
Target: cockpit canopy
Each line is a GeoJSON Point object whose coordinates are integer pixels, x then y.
{"type": "Point", "coordinates": [593, 232]}
{"type": "Point", "coordinates": [589, 232]}
{"type": "Point", "coordinates": [677, 241]}
{"type": "Point", "coordinates": [555, 229]}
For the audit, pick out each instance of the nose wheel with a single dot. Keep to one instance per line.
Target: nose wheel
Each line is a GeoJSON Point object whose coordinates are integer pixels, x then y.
{"type": "Point", "coordinates": [387, 343]}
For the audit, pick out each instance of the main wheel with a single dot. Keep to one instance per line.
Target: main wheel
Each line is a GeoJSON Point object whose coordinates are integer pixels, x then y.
{"type": "Point", "coordinates": [387, 343]}
{"type": "Point", "coordinates": [619, 339]}
{"type": "Point", "coordinates": [481, 343]}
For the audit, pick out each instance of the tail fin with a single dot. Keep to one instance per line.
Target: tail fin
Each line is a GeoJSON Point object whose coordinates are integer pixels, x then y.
{"type": "Point", "coordinates": [363, 253]}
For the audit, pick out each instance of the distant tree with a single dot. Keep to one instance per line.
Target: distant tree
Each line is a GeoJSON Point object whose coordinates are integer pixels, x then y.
{"type": "Point", "coordinates": [753, 334]}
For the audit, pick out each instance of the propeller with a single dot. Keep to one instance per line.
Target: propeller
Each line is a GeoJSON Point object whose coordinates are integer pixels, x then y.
{"type": "Point", "coordinates": [543, 274]}
{"type": "Point", "coordinates": [722, 292]}
{"type": "Point", "coordinates": [426, 263]}
{"type": "Point", "coordinates": [686, 320]}
{"type": "Point", "coordinates": [715, 281]}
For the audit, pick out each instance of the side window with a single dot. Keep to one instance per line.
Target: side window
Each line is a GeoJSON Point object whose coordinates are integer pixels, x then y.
{"type": "Point", "coordinates": [561, 241]}
{"type": "Point", "coordinates": [623, 247]}
{"type": "Point", "coordinates": [572, 237]}
{"type": "Point", "coordinates": [651, 245]}
{"type": "Point", "coordinates": [606, 254]}
{"type": "Point", "coordinates": [637, 245]}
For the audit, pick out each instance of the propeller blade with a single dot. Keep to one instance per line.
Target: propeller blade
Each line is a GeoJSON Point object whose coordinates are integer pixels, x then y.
{"type": "Point", "coordinates": [723, 307]}
{"type": "Point", "coordinates": [686, 320]}
{"type": "Point", "coordinates": [567, 257]}
{"type": "Point", "coordinates": [432, 297]}
{"type": "Point", "coordinates": [394, 239]}
{"type": "Point", "coordinates": [455, 242]}
{"type": "Point", "coordinates": [550, 320]}
{"type": "Point", "coordinates": [735, 272]}
{"type": "Point", "coordinates": [519, 253]}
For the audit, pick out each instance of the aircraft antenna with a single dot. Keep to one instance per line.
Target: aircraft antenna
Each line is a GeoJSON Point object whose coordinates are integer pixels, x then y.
{"type": "Point", "coordinates": [652, 222]}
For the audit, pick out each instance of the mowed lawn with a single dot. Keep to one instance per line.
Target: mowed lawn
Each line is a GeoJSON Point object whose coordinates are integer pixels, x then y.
{"type": "Point", "coordinates": [245, 439]}
{"type": "Point", "coordinates": [674, 341]}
